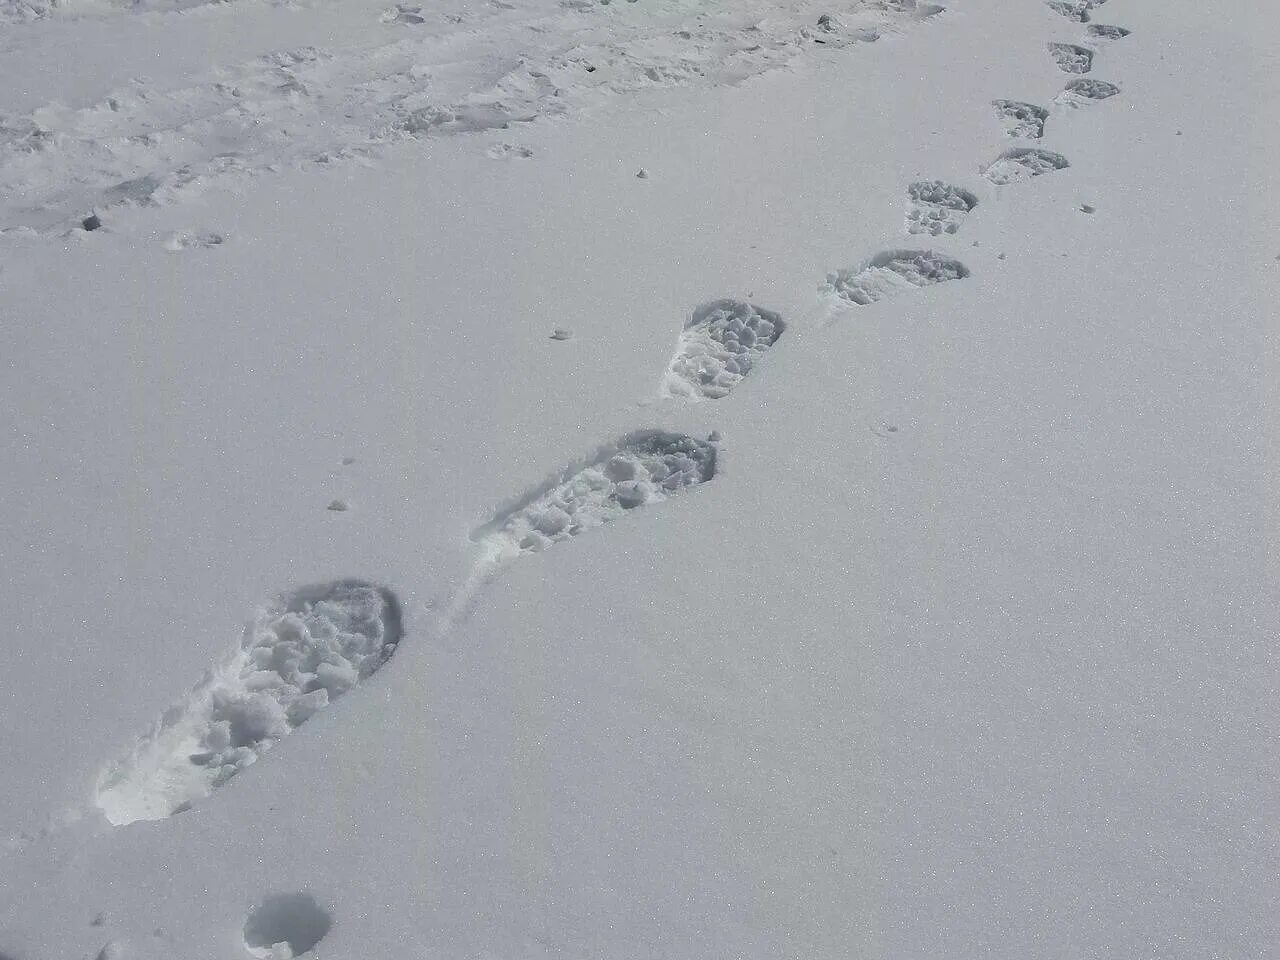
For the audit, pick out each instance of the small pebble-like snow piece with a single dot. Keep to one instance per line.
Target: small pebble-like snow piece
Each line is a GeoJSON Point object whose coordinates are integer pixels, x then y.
{"type": "Point", "coordinates": [720, 345]}
{"type": "Point", "coordinates": [641, 469]}
{"type": "Point", "coordinates": [892, 272]}
{"type": "Point", "coordinates": [1023, 163]}
{"type": "Point", "coordinates": [560, 333]}
{"type": "Point", "coordinates": [298, 655]}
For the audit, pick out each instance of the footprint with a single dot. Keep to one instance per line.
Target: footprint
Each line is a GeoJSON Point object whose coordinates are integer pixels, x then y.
{"type": "Point", "coordinates": [642, 468]}
{"type": "Point", "coordinates": [935, 207]}
{"type": "Point", "coordinates": [299, 654]}
{"type": "Point", "coordinates": [720, 344]}
{"type": "Point", "coordinates": [193, 241]}
{"type": "Point", "coordinates": [285, 925]}
{"type": "Point", "coordinates": [1023, 163]}
{"type": "Point", "coordinates": [509, 151]}
{"type": "Point", "coordinates": [1071, 58]}
{"type": "Point", "coordinates": [892, 272]}
{"type": "Point", "coordinates": [1105, 31]}
{"type": "Point", "coordinates": [1082, 92]}
{"type": "Point", "coordinates": [1077, 10]}
{"type": "Point", "coordinates": [1024, 120]}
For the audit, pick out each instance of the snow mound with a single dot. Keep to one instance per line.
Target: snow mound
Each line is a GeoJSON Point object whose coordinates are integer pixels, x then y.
{"type": "Point", "coordinates": [721, 343]}
{"type": "Point", "coordinates": [297, 656]}
{"type": "Point", "coordinates": [934, 207]}
{"type": "Point", "coordinates": [892, 272]}
{"type": "Point", "coordinates": [643, 468]}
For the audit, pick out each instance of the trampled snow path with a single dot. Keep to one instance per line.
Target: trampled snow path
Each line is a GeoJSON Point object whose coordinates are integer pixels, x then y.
{"type": "Point", "coordinates": [449, 70]}
{"type": "Point", "coordinates": [297, 656]}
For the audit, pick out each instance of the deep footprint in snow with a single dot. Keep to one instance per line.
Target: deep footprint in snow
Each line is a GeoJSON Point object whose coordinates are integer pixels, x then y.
{"type": "Point", "coordinates": [1082, 92]}
{"type": "Point", "coordinates": [1105, 31]}
{"type": "Point", "coordinates": [641, 469]}
{"type": "Point", "coordinates": [1023, 163]}
{"type": "Point", "coordinates": [298, 655]}
{"type": "Point", "coordinates": [1024, 120]}
{"type": "Point", "coordinates": [720, 344]}
{"type": "Point", "coordinates": [935, 207]}
{"type": "Point", "coordinates": [285, 925]}
{"type": "Point", "coordinates": [892, 272]}
{"type": "Point", "coordinates": [1077, 10]}
{"type": "Point", "coordinates": [1071, 58]}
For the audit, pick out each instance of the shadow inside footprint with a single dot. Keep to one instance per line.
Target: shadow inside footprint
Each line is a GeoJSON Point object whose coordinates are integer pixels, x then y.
{"type": "Point", "coordinates": [285, 925]}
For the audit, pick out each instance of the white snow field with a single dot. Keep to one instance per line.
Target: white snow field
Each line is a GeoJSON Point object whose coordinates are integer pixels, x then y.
{"type": "Point", "coordinates": [656, 479]}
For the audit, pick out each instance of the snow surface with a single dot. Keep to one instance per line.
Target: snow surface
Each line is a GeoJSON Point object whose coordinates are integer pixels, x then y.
{"type": "Point", "coordinates": [954, 635]}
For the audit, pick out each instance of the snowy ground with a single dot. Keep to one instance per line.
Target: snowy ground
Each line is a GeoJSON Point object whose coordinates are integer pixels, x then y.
{"type": "Point", "coordinates": [759, 487]}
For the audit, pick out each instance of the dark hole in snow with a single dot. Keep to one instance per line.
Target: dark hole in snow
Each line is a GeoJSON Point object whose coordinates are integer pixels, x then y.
{"type": "Point", "coordinates": [292, 918]}
{"type": "Point", "coordinates": [91, 222]}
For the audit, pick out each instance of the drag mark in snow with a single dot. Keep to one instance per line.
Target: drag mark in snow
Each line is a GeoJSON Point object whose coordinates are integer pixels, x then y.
{"type": "Point", "coordinates": [285, 925]}
{"type": "Point", "coordinates": [1071, 58]}
{"type": "Point", "coordinates": [1082, 92]}
{"type": "Point", "coordinates": [892, 272]}
{"type": "Point", "coordinates": [1105, 31]}
{"type": "Point", "coordinates": [1023, 163]}
{"type": "Point", "coordinates": [297, 656]}
{"type": "Point", "coordinates": [1024, 120]}
{"type": "Point", "coordinates": [935, 207]}
{"type": "Point", "coordinates": [720, 344]}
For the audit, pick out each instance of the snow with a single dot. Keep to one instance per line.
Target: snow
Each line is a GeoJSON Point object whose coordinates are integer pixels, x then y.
{"type": "Point", "coordinates": [960, 644]}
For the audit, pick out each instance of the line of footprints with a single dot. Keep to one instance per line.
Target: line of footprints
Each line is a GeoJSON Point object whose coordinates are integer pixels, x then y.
{"type": "Point", "coordinates": [313, 645]}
